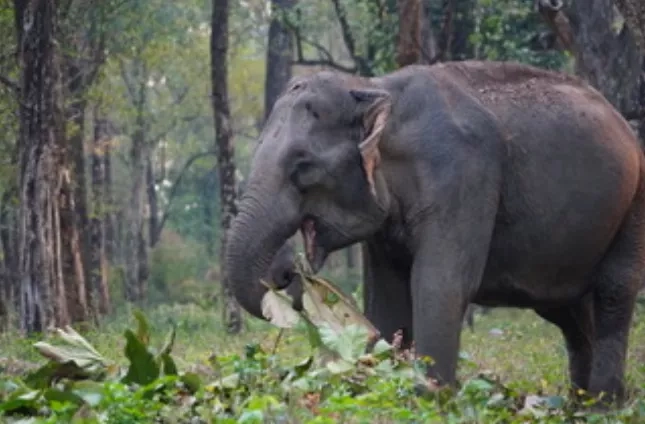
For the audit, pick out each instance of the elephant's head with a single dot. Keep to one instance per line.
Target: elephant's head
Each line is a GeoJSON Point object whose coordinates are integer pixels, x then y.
{"type": "Point", "coordinates": [314, 170]}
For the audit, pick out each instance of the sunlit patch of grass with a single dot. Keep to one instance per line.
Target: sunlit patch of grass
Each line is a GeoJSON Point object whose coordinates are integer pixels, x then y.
{"type": "Point", "coordinates": [530, 352]}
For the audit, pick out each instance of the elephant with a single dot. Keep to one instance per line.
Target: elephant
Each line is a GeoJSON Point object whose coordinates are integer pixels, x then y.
{"type": "Point", "coordinates": [494, 183]}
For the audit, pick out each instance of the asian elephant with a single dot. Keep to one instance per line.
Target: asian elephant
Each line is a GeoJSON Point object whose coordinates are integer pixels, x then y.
{"type": "Point", "coordinates": [493, 183]}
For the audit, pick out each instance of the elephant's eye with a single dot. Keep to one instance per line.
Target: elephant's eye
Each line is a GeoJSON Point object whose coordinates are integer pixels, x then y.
{"type": "Point", "coordinates": [311, 110]}
{"type": "Point", "coordinates": [305, 173]}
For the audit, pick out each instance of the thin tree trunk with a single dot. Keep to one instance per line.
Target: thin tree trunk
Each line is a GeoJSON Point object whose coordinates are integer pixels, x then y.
{"type": "Point", "coordinates": [8, 237]}
{"type": "Point", "coordinates": [225, 150]}
{"type": "Point", "coordinates": [427, 36]}
{"type": "Point", "coordinates": [99, 276]}
{"type": "Point", "coordinates": [408, 49]}
{"type": "Point", "coordinates": [75, 114]}
{"type": "Point", "coordinates": [135, 254]}
{"type": "Point", "coordinates": [109, 218]}
{"type": "Point", "coordinates": [279, 54]}
{"type": "Point", "coordinates": [153, 205]}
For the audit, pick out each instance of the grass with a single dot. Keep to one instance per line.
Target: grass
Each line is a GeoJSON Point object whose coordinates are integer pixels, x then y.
{"type": "Point", "coordinates": [526, 353]}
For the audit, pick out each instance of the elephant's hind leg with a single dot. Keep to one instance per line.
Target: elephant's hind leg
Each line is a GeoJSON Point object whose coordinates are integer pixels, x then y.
{"type": "Point", "coordinates": [577, 326]}
{"type": "Point", "coordinates": [616, 283]}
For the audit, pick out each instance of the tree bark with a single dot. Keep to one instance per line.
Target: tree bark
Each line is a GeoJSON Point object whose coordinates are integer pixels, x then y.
{"type": "Point", "coordinates": [42, 292]}
{"type": "Point", "coordinates": [427, 36]}
{"type": "Point", "coordinates": [8, 238]}
{"type": "Point", "coordinates": [634, 13]}
{"type": "Point", "coordinates": [279, 54]}
{"type": "Point", "coordinates": [408, 49]}
{"type": "Point", "coordinates": [99, 218]}
{"type": "Point", "coordinates": [136, 257]}
{"type": "Point", "coordinates": [225, 151]}
{"type": "Point", "coordinates": [607, 58]}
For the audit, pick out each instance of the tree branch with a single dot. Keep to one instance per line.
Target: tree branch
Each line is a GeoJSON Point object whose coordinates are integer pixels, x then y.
{"type": "Point", "coordinates": [173, 190]}
{"type": "Point", "coordinates": [322, 51]}
{"type": "Point", "coordinates": [348, 38]}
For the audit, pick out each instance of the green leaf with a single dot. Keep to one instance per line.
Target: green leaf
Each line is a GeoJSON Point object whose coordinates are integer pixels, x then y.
{"type": "Point", "coordinates": [75, 358]}
{"type": "Point", "coordinates": [143, 368]}
{"type": "Point", "coordinates": [192, 381]}
{"type": "Point", "coordinates": [350, 343]}
{"type": "Point", "coordinates": [143, 329]}
{"type": "Point", "coordinates": [249, 417]}
{"type": "Point", "coordinates": [90, 391]}
{"type": "Point", "coordinates": [381, 347]}
{"type": "Point", "coordinates": [20, 401]}
{"type": "Point", "coordinates": [169, 343]}
{"type": "Point", "coordinates": [229, 382]}
{"type": "Point", "coordinates": [303, 367]}
{"type": "Point", "coordinates": [168, 365]}
{"type": "Point", "coordinates": [339, 366]}
{"type": "Point", "coordinates": [62, 396]}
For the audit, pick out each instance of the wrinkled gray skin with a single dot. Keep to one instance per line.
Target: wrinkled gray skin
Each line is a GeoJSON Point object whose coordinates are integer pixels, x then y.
{"type": "Point", "coordinates": [282, 272]}
{"type": "Point", "coordinates": [496, 184]}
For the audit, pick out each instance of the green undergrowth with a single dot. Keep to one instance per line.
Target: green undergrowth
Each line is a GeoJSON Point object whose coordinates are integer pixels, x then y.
{"type": "Point", "coordinates": [177, 365]}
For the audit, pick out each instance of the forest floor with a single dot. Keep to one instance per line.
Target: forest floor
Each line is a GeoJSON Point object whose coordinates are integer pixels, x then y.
{"type": "Point", "coordinates": [515, 346]}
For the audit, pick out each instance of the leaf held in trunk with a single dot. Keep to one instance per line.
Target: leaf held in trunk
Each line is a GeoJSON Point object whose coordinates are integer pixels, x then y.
{"type": "Point", "coordinates": [324, 305]}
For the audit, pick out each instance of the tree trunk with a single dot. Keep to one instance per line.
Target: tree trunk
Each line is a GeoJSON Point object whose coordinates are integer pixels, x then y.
{"type": "Point", "coordinates": [608, 58]}
{"type": "Point", "coordinates": [135, 254]}
{"type": "Point", "coordinates": [109, 216]}
{"type": "Point", "coordinates": [8, 238]}
{"type": "Point", "coordinates": [279, 54]}
{"type": "Point", "coordinates": [225, 152]}
{"type": "Point", "coordinates": [42, 292]}
{"type": "Point", "coordinates": [153, 205]}
{"type": "Point", "coordinates": [427, 37]}
{"type": "Point", "coordinates": [634, 13]}
{"type": "Point", "coordinates": [98, 259]}
{"type": "Point", "coordinates": [75, 114]}
{"type": "Point", "coordinates": [408, 49]}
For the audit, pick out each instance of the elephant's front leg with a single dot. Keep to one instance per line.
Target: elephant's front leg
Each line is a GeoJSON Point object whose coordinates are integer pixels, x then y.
{"type": "Point", "coordinates": [386, 293]}
{"type": "Point", "coordinates": [450, 257]}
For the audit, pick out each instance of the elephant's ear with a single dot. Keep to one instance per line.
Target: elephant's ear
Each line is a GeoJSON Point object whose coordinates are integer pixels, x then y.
{"type": "Point", "coordinates": [373, 108]}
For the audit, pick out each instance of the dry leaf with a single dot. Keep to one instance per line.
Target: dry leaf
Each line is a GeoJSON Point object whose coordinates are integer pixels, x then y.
{"type": "Point", "coordinates": [326, 304]}
{"type": "Point", "coordinates": [276, 307]}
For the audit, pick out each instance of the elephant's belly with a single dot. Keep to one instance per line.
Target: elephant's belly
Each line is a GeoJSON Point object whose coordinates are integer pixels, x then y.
{"type": "Point", "coordinates": [539, 263]}
{"type": "Point", "coordinates": [522, 290]}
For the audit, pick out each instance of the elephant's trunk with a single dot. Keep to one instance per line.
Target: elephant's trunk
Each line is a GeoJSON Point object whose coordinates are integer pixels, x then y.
{"type": "Point", "coordinates": [263, 224]}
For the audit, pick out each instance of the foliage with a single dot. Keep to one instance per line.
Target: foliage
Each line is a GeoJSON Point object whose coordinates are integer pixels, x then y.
{"type": "Point", "coordinates": [512, 30]}
{"type": "Point", "coordinates": [257, 385]}
{"type": "Point", "coordinates": [177, 269]}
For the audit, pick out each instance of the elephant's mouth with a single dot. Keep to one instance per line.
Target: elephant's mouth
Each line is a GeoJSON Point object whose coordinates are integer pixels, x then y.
{"type": "Point", "coordinates": [314, 252]}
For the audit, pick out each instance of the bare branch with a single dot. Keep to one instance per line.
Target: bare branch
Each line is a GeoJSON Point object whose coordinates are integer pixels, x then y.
{"type": "Point", "coordinates": [322, 51]}
{"type": "Point", "coordinates": [348, 38]}
{"type": "Point", "coordinates": [126, 80]}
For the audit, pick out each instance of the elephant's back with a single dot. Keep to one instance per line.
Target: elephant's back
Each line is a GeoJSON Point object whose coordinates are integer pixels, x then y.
{"type": "Point", "coordinates": [572, 167]}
